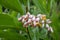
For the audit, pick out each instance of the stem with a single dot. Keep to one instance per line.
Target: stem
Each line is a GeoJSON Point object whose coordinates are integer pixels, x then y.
{"type": "Point", "coordinates": [28, 6]}
{"type": "Point", "coordinates": [27, 10]}
{"type": "Point", "coordinates": [50, 12]}
{"type": "Point", "coordinates": [29, 34]}
{"type": "Point", "coordinates": [50, 36]}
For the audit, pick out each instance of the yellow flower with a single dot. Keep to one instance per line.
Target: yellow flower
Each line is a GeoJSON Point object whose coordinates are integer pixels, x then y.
{"type": "Point", "coordinates": [38, 24]}
{"type": "Point", "coordinates": [43, 17]}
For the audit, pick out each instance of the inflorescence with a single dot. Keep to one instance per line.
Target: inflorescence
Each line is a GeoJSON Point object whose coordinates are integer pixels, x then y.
{"type": "Point", "coordinates": [36, 21]}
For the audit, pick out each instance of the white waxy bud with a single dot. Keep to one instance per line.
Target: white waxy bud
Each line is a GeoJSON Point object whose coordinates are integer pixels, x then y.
{"type": "Point", "coordinates": [26, 16]}
{"type": "Point", "coordinates": [43, 21]}
{"type": "Point", "coordinates": [33, 19]}
{"type": "Point", "coordinates": [50, 29]}
{"type": "Point", "coordinates": [39, 15]}
{"type": "Point", "coordinates": [31, 16]}
{"type": "Point", "coordinates": [48, 21]}
{"type": "Point", "coordinates": [37, 19]}
{"type": "Point", "coordinates": [23, 16]}
{"type": "Point", "coordinates": [42, 25]}
{"type": "Point", "coordinates": [28, 13]}
{"type": "Point", "coordinates": [34, 23]}
{"type": "Point", "coordinates": [29, 20]}
{"type": "Point", "coordinates": [25, 24]}
{"type": "Point", "coordinates": [23, 20]}
{"type": "Point", "coordinates": [19, 19]}
{"type": "Point", "coordinates": [47, 26]}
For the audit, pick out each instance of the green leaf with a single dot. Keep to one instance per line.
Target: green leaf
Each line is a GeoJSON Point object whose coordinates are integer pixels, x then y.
{"type": "Point", "coordinates": [41, 4]}
{"type": "Point", "coordinates": [43, 33]}
{"type": "Point", "coordinates": [13, 13]}
{"type": "Point", "coordinates": [8, 35]}
{"type": "Point", "coordinates": [0, 9]}
{"type": "Point", "coordinates": [56, 25]}
{"type": "Point", "coordinates": [34, 33]}
{"type": "Point", "coordinates": [7, 21]}
{"type": "Point", "coordinates": [23, 2]}
{"type": "Point", "coordinates": [12, 4]}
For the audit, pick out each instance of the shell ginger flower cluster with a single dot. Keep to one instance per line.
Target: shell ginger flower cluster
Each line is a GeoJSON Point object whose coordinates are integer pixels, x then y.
{"type": "Point", "coordinates": [36, 21]}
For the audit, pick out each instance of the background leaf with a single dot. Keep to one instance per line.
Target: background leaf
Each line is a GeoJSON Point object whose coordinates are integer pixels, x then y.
{"type": "Point", "coordinates": [0, 9]}
{"type": "Point", "coordinates": [8, 35]}
{"type": "Point", "coordinates": [41, 4]}
{"type": "Point", "coordinates": [12, 4]}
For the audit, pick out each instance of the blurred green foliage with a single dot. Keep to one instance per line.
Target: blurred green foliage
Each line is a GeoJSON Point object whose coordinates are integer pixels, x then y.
{"type": "Point", "coordinates": [9, 20]}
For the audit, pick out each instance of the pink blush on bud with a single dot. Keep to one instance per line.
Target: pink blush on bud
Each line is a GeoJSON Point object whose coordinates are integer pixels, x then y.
{"type": "Point", "coordinates": [37, 19]}
{"type": "Point", "coordinates": [34, 23]}
{"type": "Point", "coordinates": [29, 21]}
{"type": "Point", "coordinates": [33, 19]}
{"type": "Point", "coordinates": [19, 19]}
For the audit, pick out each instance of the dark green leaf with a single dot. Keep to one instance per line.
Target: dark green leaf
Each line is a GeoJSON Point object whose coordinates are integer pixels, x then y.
{"type": "Point", "coordinates": [43, 33]}
{"type": "Point", "coordinates": [12, 4]}
{"type": "Point", "coordinates": [7, 35]}
{"type": "Point", "coordinates": [41, 4]}
{"type": "Point", "coordinates": [34, 33]}
{"type": "Point", "coordinates": [0, 9]}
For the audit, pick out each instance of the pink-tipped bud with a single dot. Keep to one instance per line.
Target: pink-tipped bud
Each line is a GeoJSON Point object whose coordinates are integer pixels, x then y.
{"type": "Point", "coordinates": [25, 24]}
{"type": "Point", "coordinates": [28, 13]}
{"type": "Point", "coordinates": [34, 23]}
{"type": "Point", "coordinates": [23, 17]}
{"type": "Point", "coordinates": [37, 19]}
{"type": "Point", "coordinates": [19, 19]}
{"type": "Point", "coordinates": [26, 16]}
{"type": "Point", "coordinates": [23, 20]}
{"type": "Point", "coordinates": [29, 21]}
{"type": "Point", "coordinates": [33, 19]}
{"type": "Point", "coordinates": [31, 16]}
{"type": "Point", "coordinates": [50, 29]}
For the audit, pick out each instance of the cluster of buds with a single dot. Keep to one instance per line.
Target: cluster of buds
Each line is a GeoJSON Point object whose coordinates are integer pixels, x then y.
{"type": "Point", "coordinates": [35, 21]}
